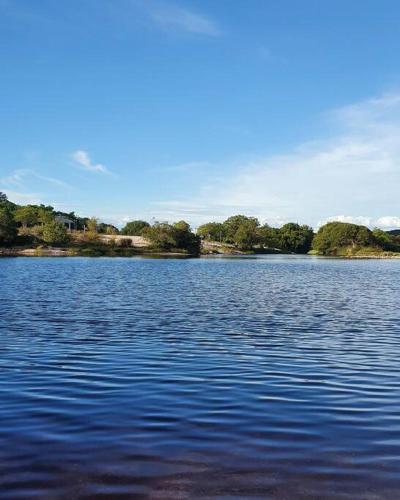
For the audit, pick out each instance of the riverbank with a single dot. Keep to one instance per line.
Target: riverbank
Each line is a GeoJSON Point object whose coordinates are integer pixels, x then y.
{"type": "Point", "coordinates": [108, 251]}
{"type": "Point", "coordinates": [90, 252]}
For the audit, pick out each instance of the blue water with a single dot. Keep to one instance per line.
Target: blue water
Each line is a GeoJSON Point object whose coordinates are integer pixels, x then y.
{"type": "Point", "coordinates": [268, 377]}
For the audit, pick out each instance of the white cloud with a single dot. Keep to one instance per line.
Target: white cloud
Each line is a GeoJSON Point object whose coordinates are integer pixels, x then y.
{"type": "Point", "coordinates": [82, 158]}
{"type": "Point", "coordinates": [178, 18]}
{"type": "Point", "coordinates": [357, 171]}
{"type": "Point", "coordinates": [388, 222]}
{"type": "Point", "coordinates": [20, 176]}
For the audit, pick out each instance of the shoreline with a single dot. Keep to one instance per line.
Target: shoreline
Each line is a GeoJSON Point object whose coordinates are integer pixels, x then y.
{"type": "Point", "coordinates": [88, 252]}
{"type": "Point", "coordinates": [146, 252]}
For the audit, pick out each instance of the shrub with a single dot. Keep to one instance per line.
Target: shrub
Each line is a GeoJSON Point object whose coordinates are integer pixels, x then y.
{"type": "Point", "coordinates": [135, 228]}
{"type": "Point", "coordinates": [54, 233]}
{"type": "Point", "coordinates": [8, 227]}
{"type": "Point", "coordinates": [333, 237]}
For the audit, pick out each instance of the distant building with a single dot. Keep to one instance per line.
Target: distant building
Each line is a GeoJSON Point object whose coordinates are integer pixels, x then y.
{"type": "Point", "coordinates": [68, 223]}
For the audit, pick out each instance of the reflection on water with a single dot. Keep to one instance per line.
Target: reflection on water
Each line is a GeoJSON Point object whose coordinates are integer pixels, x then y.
{"type": "Point", "coordinates": [268, 377]}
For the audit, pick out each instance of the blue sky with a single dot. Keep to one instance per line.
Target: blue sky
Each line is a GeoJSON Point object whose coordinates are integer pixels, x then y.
{"type": "Point", "coordinates": [128, 109]}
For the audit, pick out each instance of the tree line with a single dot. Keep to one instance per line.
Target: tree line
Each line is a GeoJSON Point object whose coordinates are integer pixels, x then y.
{"type": "Point", "coordinates": [38, 223]}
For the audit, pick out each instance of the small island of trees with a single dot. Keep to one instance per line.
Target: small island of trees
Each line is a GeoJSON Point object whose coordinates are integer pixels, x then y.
{"type": "Point", "coordinates": [40, 226]}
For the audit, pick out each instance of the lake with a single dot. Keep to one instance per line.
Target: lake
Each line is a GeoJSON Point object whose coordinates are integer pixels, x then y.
{"type": "Point", "coordinates": [258, 377]}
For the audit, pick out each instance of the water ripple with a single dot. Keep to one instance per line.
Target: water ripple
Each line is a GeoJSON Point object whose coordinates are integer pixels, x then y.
{"type": "Point", "coordinates": [270, 377]}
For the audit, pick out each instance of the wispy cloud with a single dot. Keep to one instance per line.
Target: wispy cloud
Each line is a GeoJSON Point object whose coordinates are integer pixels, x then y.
{"type": "Point", "coordinates": [83, 160]}
{"type": "Point", "coordinates": [190, 167]}
{"type": "Point", "coordinates": [21, 176]}
{"type": "Point", "coordinates": [173, 17]}
{"type": "Point", "coordinates": [18, 186]}
{"type": "Point", "coordinates": [356, 171]}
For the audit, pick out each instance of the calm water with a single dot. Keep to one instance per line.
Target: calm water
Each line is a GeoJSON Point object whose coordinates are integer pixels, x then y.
{"type": "Point", "coordinates": [264, 377]}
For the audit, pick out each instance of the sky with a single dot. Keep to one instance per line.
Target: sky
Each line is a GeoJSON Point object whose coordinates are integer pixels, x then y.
{"type": "Point", "coordinates": [164, 110]}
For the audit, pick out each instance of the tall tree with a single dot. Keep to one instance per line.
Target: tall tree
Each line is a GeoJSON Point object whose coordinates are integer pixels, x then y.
{"type": "Point", "coordinates": [213, 231]}
{"type": "Point", "coordinates": [295, 238]}
{"type": "Point", "coordinates": [8, 227]}
{"type": "Point", "coordinates": [134, 228]}
{"type": "Point", "coordinates": [232, 224]}
{"type": "Point", "coordinates": [27, 215]}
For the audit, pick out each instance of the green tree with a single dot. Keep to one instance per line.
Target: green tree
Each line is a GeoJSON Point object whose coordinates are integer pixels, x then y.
{"type": "Point", "coordinates": [333, 237]}
{"type": "Point", "coordinates": [166, 236]}
{"type": "Point", "coordinates": [45, 215]}
{"type": "Point", "coordinates": [185, 238]}
{"type": "Point", "coordinates": [27, 215]}
{"type": "Point", "coordinates": [295, 238]}
{"type": "Point", "coordinates": [5, 203]}
{"type": "Point", "coordinates": [54, 233]}
{"type": "Point", "coordinates": [212, 231]}
{"type": "Point", "coordinates": [107, 229]}
{"type": "Point", "coordinates": [246, 235]}
{"type": "Point", "coordinates": [161, 235]}
{"type": "Point", "coordinates": [232, 224]}
{"type": "Point", "coordinates": [134, 228]}
{"type": "Point", "coordinates": [269, 236]}
{"type": "Point", "coordinates": [8, 227]}
{"type": "Point", "coordinates": [385, 240]}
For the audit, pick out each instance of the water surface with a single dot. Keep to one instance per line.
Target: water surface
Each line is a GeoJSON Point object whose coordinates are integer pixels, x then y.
{"type": "Point", "coordinates": [268, 377]}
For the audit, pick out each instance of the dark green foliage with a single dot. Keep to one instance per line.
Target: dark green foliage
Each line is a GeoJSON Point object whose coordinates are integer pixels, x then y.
{"type": "Point", "coordinates": [135, 228]}
{"type": "Point", "coordinates": [213, 231]}
{"type": "Point", "coordinates": [295, 238]}
{"type": "Point", "coordinates": [103, 228]}
{"type": "Point", "coordinates": [33, 215]}
{"type": "Point", "coordinates": [27, 216]}
{"type": "Point", "coordinates": [269, 236]}
{"type": "Point", "coordinates": [54, 233]}
{"type": "Point", "coordinates": [387, 240]}
{"type": "Point", "coordinates": [8, 227]}
{"type": "Point", "coordinates": [166, 236]}
{"type": "Point", "coordinates": [334, 236]}
{"type": "Point", "coordinates": [185, 238]}
{"type": "Point", "coordinates": [5, 203]}
{"type": "Point", "coordinates": [161, 235]}
{"type": "Point", "coordinates": [246, 234]}
{"type": "Point", "coordinates": [232, 224]}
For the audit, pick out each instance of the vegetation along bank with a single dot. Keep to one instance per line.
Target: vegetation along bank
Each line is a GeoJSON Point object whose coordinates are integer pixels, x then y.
{"type": "Point", "coordinates": [42, 230]}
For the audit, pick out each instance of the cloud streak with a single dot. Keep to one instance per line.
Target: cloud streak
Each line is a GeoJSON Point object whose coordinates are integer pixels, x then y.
{"type": "Point", "coordinates": [174, 18]}
{"type": "Point", "coordinates": [83, 160]}
{"type": "Point", "coordinates": [20, 176]}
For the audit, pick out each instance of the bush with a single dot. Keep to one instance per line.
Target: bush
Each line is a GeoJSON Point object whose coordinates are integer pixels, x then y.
{"type": "Point", "coordinates": [166, 237]}
{"type": "Point", "coordinates": [334, 237]}
{"type": "Point", "coordinates": [135, 228]}
{"type": "Point", "coordinates": [8, 227]}
{"type": "Point", "coordinates": [54, 233]}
